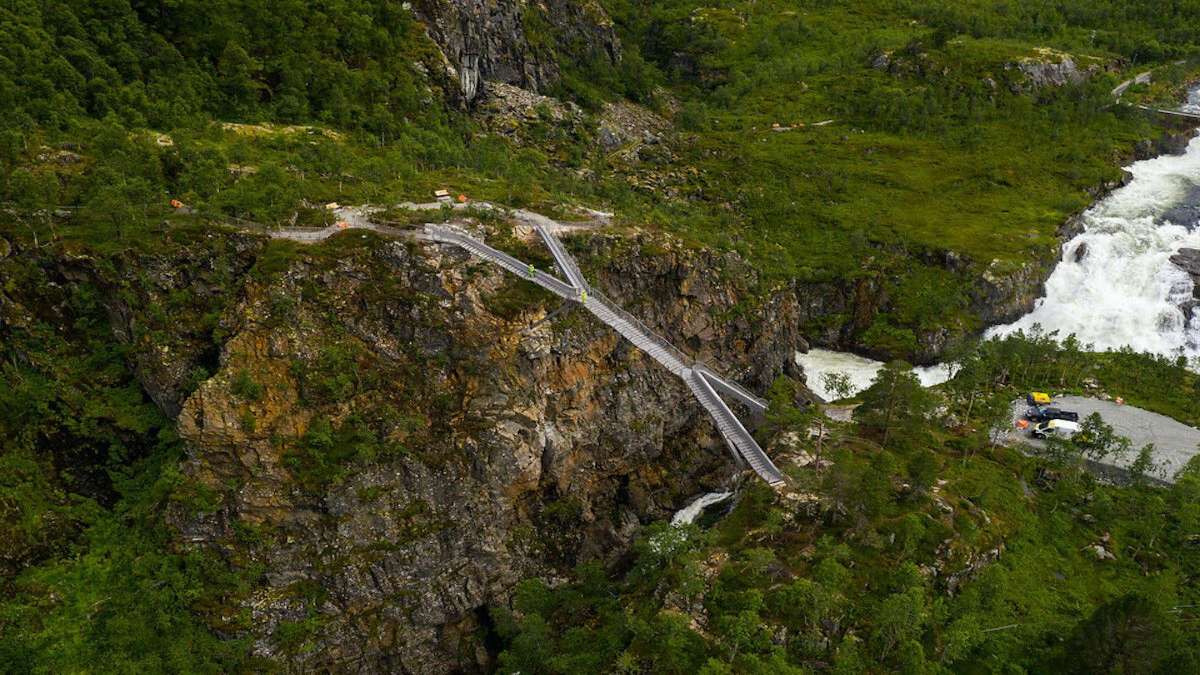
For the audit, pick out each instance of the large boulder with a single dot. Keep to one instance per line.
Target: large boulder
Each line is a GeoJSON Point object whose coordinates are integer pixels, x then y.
{"type": "Point", "coordinates": [1186, 212]}
{"type": "Point", "coordinates": [1188, 260]}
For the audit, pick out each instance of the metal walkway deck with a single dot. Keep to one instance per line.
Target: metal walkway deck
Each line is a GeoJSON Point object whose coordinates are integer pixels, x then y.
{"type": "Point", "coordinates": [700, 379]}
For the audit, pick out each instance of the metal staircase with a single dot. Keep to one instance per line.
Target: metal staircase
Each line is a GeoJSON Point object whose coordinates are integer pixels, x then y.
{"type": "Point", "coordinates": [547, 281]}
{"type": "Point", "coordinates": [564, 260]}
{"type": "Point", "coordinates": [731, 428]}
{"type": "Point", "coordinates": [703, 382]}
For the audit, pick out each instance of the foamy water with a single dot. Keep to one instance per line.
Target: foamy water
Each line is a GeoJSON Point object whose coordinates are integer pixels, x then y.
{"type": "Point", "coordinates": [860, 370]}
{"type": "Point", "coordinates": [1192, 105]}
{"type": "Point", "coordinates": [689, 513]}
{"type": "Point", "coordinates": [1125, 291]}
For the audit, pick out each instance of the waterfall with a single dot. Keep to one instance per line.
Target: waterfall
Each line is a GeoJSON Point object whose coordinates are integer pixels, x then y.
{"type": "Point", "coordinates": [689, 513]}
{"type": "Point", "coordinates": [1115, 286]}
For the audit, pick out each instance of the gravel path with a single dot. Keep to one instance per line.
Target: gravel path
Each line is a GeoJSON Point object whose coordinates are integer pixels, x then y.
{"type": "Point", "coordinates": [359, 218]}
{"type": "Point", "coordinates": [1175, 443]}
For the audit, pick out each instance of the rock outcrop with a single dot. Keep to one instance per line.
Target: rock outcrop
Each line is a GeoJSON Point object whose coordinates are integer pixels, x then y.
{"type": "Point", "coordinates": [1188, 259]}
{"type": "Point", "coordinates": [515, 42]}
{"type": "Point", "coordinates": [1051, 69]}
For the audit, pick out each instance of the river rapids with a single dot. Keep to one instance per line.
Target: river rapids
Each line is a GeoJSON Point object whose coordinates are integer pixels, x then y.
{"type": "Point", "coordinates": [1115, 286]}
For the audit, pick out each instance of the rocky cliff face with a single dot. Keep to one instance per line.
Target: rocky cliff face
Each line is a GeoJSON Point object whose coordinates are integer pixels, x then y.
{"type": "Point", "coordinates": [516, 42]}
{"type": "Point", "coordinates": [394, 439]}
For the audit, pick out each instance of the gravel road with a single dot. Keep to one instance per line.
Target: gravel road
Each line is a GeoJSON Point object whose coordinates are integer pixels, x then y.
{"type": "Point", "coordinates": [1175, 443]}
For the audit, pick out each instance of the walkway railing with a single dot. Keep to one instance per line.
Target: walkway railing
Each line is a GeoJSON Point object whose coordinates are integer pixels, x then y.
{"type": "Point", "coordinates": [639, 333]}
{"type": "Point", "coordinates": [565, 261]}
{"type": "Point", "coordinates": [549, 282]}
{"type": "Point", "coordinates": [734, 389]}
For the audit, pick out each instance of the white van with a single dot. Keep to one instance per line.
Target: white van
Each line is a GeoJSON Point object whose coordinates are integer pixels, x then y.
{"type": "Point", "coordinates": [1060, 428]}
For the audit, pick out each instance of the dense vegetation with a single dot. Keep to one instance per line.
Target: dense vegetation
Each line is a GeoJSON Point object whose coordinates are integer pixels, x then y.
{"type": "Point", "coordinates": [938, 144]}
{"type": "Point", "coordinates": [252, 112]}
{"type": "Point", "coordinates": [90, 581]}
{"type": "Point", "coordinates": [113, 109]}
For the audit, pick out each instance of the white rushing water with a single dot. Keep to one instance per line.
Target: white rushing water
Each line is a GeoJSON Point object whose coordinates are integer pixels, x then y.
{"type": "Point", "coordinates": [689, 513]}
{"type": "Point", "coordinates": [860, 370]}
{"type": "Point", "coordinates": [1124, 291]}
{"type": "Point", "coordinates": [1192, 105]}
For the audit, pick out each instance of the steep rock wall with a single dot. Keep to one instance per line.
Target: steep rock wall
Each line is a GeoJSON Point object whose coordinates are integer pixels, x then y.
{"type": "Point", "coordinates": [393, 441]}
{"type": "Point", "coordinates": [516, 43]}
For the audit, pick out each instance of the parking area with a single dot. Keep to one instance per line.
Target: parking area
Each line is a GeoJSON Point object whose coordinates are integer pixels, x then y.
{"type": "Point", "coordinates": [1175, 443]}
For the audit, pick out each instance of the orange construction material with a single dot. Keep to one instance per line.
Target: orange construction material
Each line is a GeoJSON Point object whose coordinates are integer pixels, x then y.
{"type": "Point", "coordinates": [1022, 424]}
{"type": "Point", "coordinates": [462, 199]}
{"type": "Point", "coordinates": [342, 224]}
{"type": "Point", "coordinates": [176, 204]}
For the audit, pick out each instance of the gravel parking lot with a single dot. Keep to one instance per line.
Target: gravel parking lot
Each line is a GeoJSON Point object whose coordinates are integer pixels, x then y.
{"type": "Point", "coordinates": [1174, 442]}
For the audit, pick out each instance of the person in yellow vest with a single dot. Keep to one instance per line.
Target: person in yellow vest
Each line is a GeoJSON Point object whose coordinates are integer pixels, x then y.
{"type": "Point", "coordinates": [532, 271]}
{"type": "Point", "coordinates": [583, 295]}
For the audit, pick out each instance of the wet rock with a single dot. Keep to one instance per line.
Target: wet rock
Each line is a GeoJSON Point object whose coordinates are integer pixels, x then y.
{"type": "Point", "coordinates": [1171, 143]}
{"type": "Point", "coordinates": [1188, 260]}
{"type": "Point", "coordinates": [1080, 253]}
{"type": "Point", "coordinates": [1187, 212]}
{"type": "Point", "coordinates": [1189, 310]}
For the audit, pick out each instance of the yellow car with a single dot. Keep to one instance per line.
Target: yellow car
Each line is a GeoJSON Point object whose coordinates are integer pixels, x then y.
{"type": "Point", "coordinates": [1037, 398]}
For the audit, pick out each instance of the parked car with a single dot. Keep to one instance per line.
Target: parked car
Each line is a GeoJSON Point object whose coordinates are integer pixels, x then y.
{"type": "Point", "coordinates": [1060, 428]}
{"type": "Point", "coordinates": [1037, 398]}
{"type": "Point", "coordinates": [1038, 414]}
